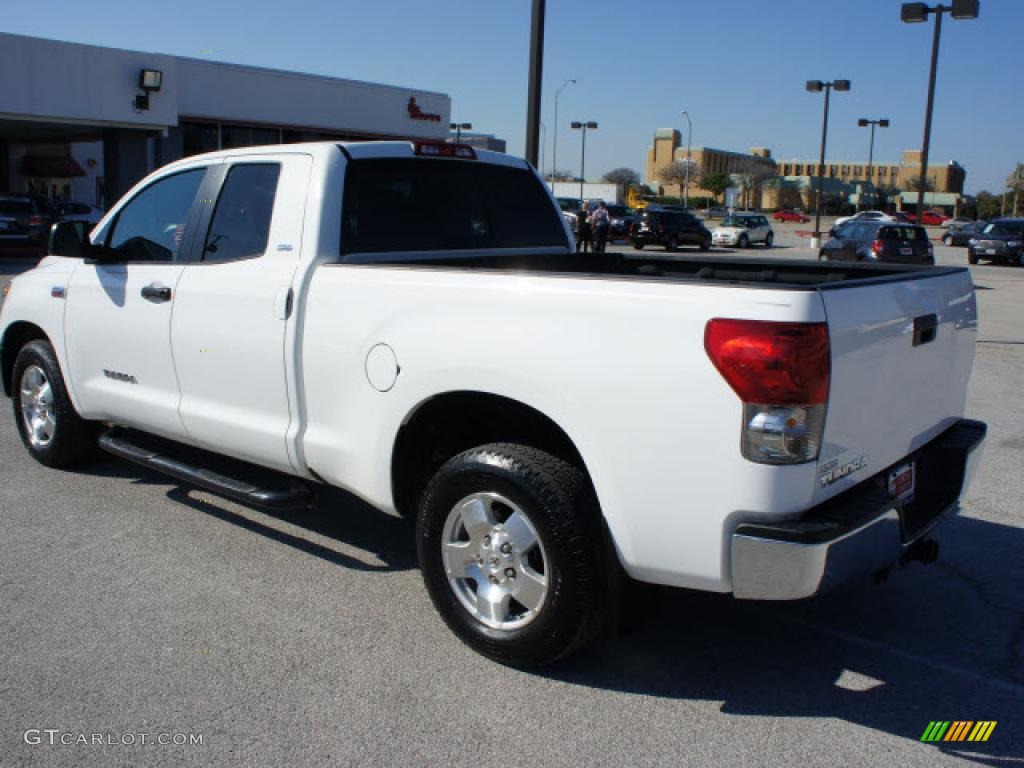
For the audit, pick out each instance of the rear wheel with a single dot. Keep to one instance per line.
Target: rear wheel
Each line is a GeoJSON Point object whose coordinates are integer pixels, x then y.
{"type": "Point", "coordinates": [769, 240]}
{"type": "Point", "coordinates": [947, 240]}
{"type": "Point", "coordinates": [671, 244]}
{"type": "Point", "coordinates": [510, 545]}
{"type": "Point", "coordinates": [638, 245]}
{"type": "Point", "coordinates": [705, 244]}
{"type": "Point", "coordinates": [971, 258]}
{"type": "Point", "coordinates": [52, 431]}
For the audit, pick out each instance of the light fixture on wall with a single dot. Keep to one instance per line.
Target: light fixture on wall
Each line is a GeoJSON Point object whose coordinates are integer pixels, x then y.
{"type": "Point", "coordinates": [150, 81]}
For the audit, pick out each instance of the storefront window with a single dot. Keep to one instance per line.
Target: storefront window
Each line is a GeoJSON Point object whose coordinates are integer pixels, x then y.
{"type": "Point", "coordinates": [199, 137]}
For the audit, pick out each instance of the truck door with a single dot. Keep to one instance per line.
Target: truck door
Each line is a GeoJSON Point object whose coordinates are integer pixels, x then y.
{"type": "Point", "coordinates": [118, 317]}
{"type": "Point", "coordinates": [233, 307]}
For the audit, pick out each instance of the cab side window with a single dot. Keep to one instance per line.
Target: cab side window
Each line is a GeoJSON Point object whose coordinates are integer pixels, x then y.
{"type": "Point", "coordinates": [151, 227]}
{"type": "Point", "coordinates": [240, 225]}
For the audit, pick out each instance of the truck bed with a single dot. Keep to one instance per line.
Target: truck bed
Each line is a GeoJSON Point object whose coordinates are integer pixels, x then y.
{"type": "Point", "coordinates": [739, 270]}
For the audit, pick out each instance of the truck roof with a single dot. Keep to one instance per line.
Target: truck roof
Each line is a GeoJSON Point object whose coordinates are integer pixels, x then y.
{"type": "Point", "coordinates": [356, 150]}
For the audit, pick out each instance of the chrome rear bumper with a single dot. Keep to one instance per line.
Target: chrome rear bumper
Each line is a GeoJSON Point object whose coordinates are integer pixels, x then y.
{"type": "Point", "coordinates": [859, 532]}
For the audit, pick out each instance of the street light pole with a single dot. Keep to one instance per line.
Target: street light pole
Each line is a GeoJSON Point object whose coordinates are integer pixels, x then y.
{"type": "Point", "coordinates": [459, 128]}
{"type": "Point", "coordinates": [536, 71]}
{"type": "Point", "coordinates": [689, 135]}
{"type": "Point", "coordinates": [915, 13]}
{"type": "Point", "coordinates": [554, 148]}
{"type": "Point", "coordinates": [881, 123]}
{"type": "Point", "coordinates": [816, 86]}
{"type": "Point", "coordinates": [583, 126]}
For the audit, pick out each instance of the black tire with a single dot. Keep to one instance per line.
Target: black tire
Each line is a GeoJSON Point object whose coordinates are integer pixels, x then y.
{"type": "Point", "coordinates": [671, 244]}
{"type": "Point", "coordinates": [971, 258]}
{"type": "Point", "coordinates": [769, 239]}
{"type": "Point", "coordinates": [558, 501]}
{"type": "Point", "coordinates": [947, 240]}
{"type": "Point", "coordinates": [743, 242]}
{"type": "Point", "coordinates": [638, 246]}
{"type": "Point", "coordinates": [73, 439]}
{"type": "Point", "coordinates": [821, 255]}
{"type": "Point", "coordinates": [705, 244]}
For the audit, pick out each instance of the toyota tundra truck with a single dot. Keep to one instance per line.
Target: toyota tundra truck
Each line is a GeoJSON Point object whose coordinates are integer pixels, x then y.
{"type": "Point", "coordinates": [410, 322]}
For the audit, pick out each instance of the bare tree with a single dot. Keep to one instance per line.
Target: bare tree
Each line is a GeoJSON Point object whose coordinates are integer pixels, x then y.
{"type": "Point", "coordinates": [625, 176]}
{"type": "Point", "coordinates": [754, 174]}
{"type": "Point", "coordinates": [914, 184]}
{"type": "Point", "coordinates": [676, 174]}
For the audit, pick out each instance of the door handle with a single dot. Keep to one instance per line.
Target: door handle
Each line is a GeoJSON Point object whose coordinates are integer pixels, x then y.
{"type": "Point", "coordinates": [155, 292]}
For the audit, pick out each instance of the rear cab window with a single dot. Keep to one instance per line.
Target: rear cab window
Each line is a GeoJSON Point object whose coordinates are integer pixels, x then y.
{"type": "Point", "coordinates": [406, 205]}
{"type": "Point", "coordinates": [904, 234]}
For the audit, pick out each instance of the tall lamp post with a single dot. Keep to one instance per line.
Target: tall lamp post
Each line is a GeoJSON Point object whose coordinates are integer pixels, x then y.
{"type": "Point", "coordinates": [863, 122]}
{"type": "Point", "coordinates": [459, 128]}
{"type": "Point", "coordinates": [689, 135]}
{"type": "Point", "coordinates": [554, 148]}
{"type": "Point", "coordinates": [915, 13]}
{"type": "Point", "coordinates": [535, 81]}
{"type": "Point", "coordinates": [817, 86]}
{"type": "Point", "coordinates": [583, 126]}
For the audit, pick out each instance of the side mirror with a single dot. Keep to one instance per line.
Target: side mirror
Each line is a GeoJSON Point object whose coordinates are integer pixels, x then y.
{"type": "Point", "coordinates": [67, 238]}
{"type": "Point", "coordinates": [71, 239]}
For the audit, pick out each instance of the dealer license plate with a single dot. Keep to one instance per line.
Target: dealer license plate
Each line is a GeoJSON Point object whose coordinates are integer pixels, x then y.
{"type": "Point", "coordinates": [907, 251]}
{"type": "Point", "coordinates": [901, 482]}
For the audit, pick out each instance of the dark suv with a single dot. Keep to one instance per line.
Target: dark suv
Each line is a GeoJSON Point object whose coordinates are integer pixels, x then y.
{"type": "Point", "coordinates": [669, 229]}
{"type": "Point", "coordinates": [1002, 241]}
{"type": "Point", "coordinates": [25, 222]}
{"type": "Point", "coordinates": [879, 241]}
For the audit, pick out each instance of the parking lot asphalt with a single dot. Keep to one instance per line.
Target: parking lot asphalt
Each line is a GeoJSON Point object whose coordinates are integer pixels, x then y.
{"type": "Point", "coordinates": [131, 605]}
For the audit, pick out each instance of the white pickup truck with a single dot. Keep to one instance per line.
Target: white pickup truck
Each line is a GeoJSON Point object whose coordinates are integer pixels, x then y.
{"type": "Point", "coordinates": [410, 322]}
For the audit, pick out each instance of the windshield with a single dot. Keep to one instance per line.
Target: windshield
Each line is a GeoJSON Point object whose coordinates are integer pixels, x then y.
{"type": "Point", "coordinates": [1004, 228]}
{"type": "Point", "coordinates": [617, 210]}
{"type": "Point", "coordinates": [736, 221]}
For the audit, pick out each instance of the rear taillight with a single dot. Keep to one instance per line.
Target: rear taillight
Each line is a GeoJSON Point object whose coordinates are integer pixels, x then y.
{"type": "Point", "coordinates": [781, 372]}
{"type": "Point", "coordinates": [439, 149]}
{"type": "Point", "coordinates": [876, 247]}
{"type": "Point", "coordinates": [36, 221]}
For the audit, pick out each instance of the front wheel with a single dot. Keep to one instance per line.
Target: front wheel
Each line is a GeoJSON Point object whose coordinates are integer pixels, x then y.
{"type": "Point", "coordinates": [743, 241]}
{"type": "Point", "coordinates": [510, 546]}
{"type": "Point", "coordinates": [637, 245]}
{"type": "Point", "coordinates": [705, 244]}
{"type": "Point", "coordinates": [769, 240]}
{"type": "Point", "coordinates": [671, 244]}
{"type": "Point", "coordinates": [972, 259]}
{"type": "Point", "coordinates": [947, 240]}
{"type": "Point", "coordinates": [50, 428]}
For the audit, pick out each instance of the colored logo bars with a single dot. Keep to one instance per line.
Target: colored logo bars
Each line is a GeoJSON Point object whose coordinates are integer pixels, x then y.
{"type": "Point", "coordinates": [958, 730]}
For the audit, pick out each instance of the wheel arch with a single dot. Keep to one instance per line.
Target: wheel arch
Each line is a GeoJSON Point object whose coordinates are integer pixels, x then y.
{"type": "Point", "coordinates": [17, 335]}
{"type": "Point", "coordinates": [448, 423]}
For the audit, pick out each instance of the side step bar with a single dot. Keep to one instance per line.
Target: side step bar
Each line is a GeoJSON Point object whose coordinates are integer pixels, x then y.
{"type": "Point", "coordinates": [289, 495]}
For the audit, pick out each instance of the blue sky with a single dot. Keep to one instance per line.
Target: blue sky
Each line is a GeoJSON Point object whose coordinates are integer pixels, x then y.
{"type": "Point", "coordinates": [739, 66]}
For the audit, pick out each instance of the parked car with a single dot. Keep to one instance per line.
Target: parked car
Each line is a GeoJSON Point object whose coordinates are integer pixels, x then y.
{"type": "Point", "coordinates": [879, 241]}
{"type": "Point", "coordinates": [25, 222]}
{"type": "Point", "coordinates": [957, 222]}
{"type": "Point", "coordinates": [716, 212]}
{"type": "Point", "coordinates": [863, 216]}
{"type": "Point", "coordinates": [1001, 242]}
{"type": "Point", "coordinates": [569, 203]}
{"type": "Point", "coordinates": [928, 218]}
{"type": "Point", "coordinates": [743, 229]}
{"type": "Point", "coordinates": [669, 229]}
{"type": "Point", "coordinates": [622, 218]}
{"type": "Point", "coordinates": [72, 211]}
{"type": "Point", "coordinates": [787, 215]}
{"type": "Point", "coordinates": [961, 236]}
{"type": "Point", "coordinates": [410, 322]}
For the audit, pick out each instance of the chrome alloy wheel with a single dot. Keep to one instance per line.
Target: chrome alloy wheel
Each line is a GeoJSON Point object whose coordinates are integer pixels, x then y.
{"type": "Point", "coordinates": [495, 561]}
{"type": "Point", "coordinates": [37, 409]}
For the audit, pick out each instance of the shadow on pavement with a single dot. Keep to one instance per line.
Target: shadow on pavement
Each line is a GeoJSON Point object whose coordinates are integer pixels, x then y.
{"type": "Point", "coordinates": [942, 642]}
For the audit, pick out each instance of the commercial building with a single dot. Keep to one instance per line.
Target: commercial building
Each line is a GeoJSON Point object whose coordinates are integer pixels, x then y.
{"type": "Point", "coordinates": [790, 183]}
{"type": "Point", "coordinates": [87, 122]}
{"type": "Point", "coordinates": [478, 140]}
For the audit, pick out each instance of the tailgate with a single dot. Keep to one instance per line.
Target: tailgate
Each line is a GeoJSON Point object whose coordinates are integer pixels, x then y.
{"type": "Point", "coordinates": [902, 351]}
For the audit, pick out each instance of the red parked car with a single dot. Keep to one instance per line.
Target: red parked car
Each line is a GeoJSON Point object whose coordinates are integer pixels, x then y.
{"type": "Point", "coordinates": [799, 216]}
{"type": "Point", "coordinates": [928, 218]}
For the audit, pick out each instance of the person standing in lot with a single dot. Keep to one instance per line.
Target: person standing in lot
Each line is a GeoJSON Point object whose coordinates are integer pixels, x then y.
{"type": "Point", "coordinates": [583, 231]}
{"type": "Point", "coordinates": [601, 222]}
